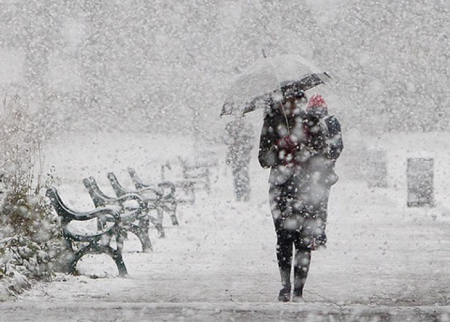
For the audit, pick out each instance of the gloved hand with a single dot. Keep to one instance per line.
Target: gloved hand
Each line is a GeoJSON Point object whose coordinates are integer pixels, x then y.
{"type": "Point", "coordinates": [287, 144]}
{"type": "Point", "coordinates": [287, 148]}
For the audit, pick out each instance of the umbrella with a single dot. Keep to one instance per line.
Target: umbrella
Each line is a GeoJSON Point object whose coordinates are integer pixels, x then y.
{"type": "Point", "coordinates": [268, 80]}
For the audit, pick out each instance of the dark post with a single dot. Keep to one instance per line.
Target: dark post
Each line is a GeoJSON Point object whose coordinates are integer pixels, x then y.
{"type": "Point", "coordinates": [420, 179]}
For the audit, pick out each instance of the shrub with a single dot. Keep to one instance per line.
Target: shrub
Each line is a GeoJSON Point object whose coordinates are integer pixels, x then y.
{"type": "Point", "coordinates": [29, 235]}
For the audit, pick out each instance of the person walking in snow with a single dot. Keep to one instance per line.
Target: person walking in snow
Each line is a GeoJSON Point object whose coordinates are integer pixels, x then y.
{"type": "Point", "coordinates": [301, 148]}
{"type": "Point", "coordinates": [239, 138]}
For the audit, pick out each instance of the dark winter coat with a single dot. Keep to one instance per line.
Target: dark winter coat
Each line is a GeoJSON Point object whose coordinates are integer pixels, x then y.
{"type": "Point", "coordinates": [316, 151]}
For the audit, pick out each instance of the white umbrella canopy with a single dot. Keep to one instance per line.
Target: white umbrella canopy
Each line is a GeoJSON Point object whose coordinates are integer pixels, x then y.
{"type": "Point", "coordinates": [268, 78]}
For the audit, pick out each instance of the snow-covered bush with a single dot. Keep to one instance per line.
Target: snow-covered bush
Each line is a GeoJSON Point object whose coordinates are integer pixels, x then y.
{"type": "Point", "coordinates": [29, 234]}
{"type": "Point", "coordinates": [21, 260]}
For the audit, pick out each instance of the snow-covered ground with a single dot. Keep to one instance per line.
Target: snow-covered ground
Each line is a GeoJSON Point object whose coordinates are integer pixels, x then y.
{"type": "Point", "coordinates": [384, 261]}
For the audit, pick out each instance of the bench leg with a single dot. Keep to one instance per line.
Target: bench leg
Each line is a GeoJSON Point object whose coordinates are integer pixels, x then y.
{"type": "Point", "coordinates": [141, 232]}
{"type": "Point", "coordinates": [172, 210]}
{"type": "Point", "coordinates": [65, 257]}
{"type": "Point", "coordinates": [160, 216]}
{"type": "Point", "coordinates": [174, 220]}
{"type": "Point", "coordinates": [189, 190]}
{"type": "Point", "coordinates": [158, 223]}
{"type": "Point", "coordinates": [116, 255]}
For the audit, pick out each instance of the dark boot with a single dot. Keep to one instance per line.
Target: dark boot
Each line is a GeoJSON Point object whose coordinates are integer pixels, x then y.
{"type": "Point", "coordinates": [285, 292]}
{"type": "Point", "coordinates": [301, 268]}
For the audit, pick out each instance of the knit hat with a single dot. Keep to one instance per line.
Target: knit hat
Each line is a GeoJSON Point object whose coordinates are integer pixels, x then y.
{"type": "Point", "coordinates": [317, 105]}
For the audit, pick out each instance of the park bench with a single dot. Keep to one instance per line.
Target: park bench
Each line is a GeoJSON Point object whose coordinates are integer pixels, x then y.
{"type": "Point", "coordinates": [184, 188]}
{"type": "Point", "coordinates": [198, 173]}
{"type": "Point", "coordinates": [134, 219]}
{"type": "Point", "coordinates": [169, 201]}
{"type": "Point", "coordinates": [78, 244]}
{"type": "Point", "coordinates": [151, 195]}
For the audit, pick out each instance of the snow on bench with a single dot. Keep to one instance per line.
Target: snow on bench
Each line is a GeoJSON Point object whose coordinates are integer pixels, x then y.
{"type": "Point", "coordinates": [76, 245]}
{"type": "Point", "coordinates": [133, 209]}
{"type": "Point", "coordinates": [168, 200]}
{"type": "Point", "coordinates": [153, 195]}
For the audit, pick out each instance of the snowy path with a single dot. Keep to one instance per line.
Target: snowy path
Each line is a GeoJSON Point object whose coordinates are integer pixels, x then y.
{"type": "Point", "coordinates": [383, 262]}
{"type": "Point", "coordinates": [382, 259]}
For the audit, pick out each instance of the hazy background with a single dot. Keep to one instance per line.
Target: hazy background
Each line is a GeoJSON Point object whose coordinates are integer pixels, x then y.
{"type": "Point", "coordinates": [165, 65]}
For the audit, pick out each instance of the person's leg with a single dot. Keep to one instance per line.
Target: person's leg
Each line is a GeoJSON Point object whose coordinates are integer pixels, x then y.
{"type": "Point", "coordinates": [311, 234]}
{"type": "Point", "coordinates": [302, 262]}
{"type": "Point", "coordinates": [284, 257]}
{"type": "Point", "coordinates": [284, 251]}
{"type": "Point", "coordinates": [314, 196]}
{"type": "Point", "coordinates": [303, 240]}
{"type": "Point", "coordinates": [242, 182]}
{"type": "Point", "coordinates": [246, 181]}
{"type": "Point", "coordinates": [236, 179]}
